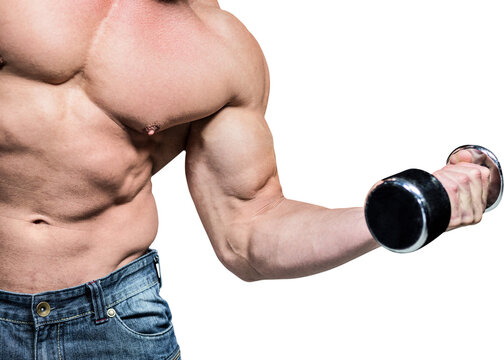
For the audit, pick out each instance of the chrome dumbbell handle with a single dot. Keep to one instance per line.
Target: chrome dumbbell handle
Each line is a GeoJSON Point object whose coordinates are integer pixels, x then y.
{"type": "Point", "coordinates": [484, 157]}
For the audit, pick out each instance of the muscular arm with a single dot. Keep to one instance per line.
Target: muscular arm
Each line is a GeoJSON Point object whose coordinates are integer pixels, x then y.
{"type": "Point", "coordinates": [256, 232]}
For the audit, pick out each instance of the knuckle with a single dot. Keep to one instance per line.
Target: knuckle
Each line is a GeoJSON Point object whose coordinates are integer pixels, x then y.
{"type": "Point", "coordinates": [467, 219]}
{"type": "Point", "coordinates": [456, 221]}
{"type": "Point", "coordinates": [475, 173]}
{"type": "Point", "coordinates": [478, 217]}
{"type": "Point", "coordinates": [464, 179]}
{"type": "Point", "coordinates": [452, 188]}
{"type": "Point", "coordinates": [485, 173]}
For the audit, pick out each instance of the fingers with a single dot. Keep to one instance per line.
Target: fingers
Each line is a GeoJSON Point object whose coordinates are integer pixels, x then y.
{"type": "Point", "coordinates": [467, 188]}
{"type": "Point", "coordinates": [478, 178]}
{"type": "Point", "coordinates": [461, 156]}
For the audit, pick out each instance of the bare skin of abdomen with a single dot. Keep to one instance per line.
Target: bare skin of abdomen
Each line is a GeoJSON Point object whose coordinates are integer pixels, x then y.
{"type": "Point", "coordinates": [75, 193]}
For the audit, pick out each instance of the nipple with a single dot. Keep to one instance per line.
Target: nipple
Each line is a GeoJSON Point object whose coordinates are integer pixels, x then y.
{"type": "Point", "coordinates": [151, 129]}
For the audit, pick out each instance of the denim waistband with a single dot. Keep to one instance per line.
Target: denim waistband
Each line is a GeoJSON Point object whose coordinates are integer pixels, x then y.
{"type": "Point", "coordinates": [90, 298]}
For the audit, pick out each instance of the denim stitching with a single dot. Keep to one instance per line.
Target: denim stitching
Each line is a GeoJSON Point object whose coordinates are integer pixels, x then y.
{"type": "Point", "coordinates": [132, 294]}
{"type": "Point", "coordinates": [35, 345]}
{"type": "Point", "coordinates": [65, 319]}
{"type": "Point", "coordinates": [18, 322]}
{"type": "Point", "coordinates": [148, 286]}
{"type": "Point", "coordinates": [141, 335]}
{"type": "Point", "coordinates": [97, 301]}
{"type": "Point", "coordinates": [59, 348]}
{"type": "Point", "coordinates": [176, 357]}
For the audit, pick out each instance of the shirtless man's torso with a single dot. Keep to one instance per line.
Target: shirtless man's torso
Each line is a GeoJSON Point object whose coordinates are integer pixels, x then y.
{"type": "Point", "coordinates": [82, 85]}
{"type": "Point", "coordinates": [96, 96]}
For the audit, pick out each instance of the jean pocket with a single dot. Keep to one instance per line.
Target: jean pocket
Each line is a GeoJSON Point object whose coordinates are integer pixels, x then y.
{"type": "Point", "coordinates": [145, 314]}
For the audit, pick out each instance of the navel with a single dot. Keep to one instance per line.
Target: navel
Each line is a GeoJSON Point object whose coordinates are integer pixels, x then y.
{"type": "Point", "coordinates": [39, 222]}
{"type": "Point", "coordinates": [2, 61]}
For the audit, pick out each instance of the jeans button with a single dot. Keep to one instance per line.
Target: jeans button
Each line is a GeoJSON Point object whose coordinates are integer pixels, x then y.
{"type": "Point", "coordinates": [111, 313]}
{"type": "Point", "coordinates": [43, 309]}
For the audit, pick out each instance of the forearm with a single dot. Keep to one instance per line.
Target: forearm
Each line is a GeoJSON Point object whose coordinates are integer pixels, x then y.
{"type": "Point", "coordinates": [296, 239]}
{"type": "Point", "coordinates": [255, 232]}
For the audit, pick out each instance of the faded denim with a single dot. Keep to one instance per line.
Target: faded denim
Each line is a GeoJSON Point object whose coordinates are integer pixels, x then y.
{"type": "Point", "coordinates": [121, 316]}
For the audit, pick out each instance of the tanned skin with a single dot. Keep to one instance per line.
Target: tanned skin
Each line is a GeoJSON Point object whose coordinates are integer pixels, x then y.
{"type": "Point", "coordinates": [96, 96]}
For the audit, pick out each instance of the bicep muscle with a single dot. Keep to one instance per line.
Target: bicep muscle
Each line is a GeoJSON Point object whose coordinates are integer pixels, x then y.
{"type": "Point", "coordinates": [231, 169]}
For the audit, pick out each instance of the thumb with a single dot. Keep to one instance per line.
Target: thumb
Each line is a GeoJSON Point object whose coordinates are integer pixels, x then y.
{"type": "Point", "coordinates": [461, 156]}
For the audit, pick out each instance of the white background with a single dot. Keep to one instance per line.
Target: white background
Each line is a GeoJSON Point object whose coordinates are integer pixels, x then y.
{"type": "Point", "coordinates": [360, 90]}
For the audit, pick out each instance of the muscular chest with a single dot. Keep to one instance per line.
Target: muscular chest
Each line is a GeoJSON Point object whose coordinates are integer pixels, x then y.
{"type": "Point", "coordinates": [143, 62]}
{"type": "Point", "coordinates": [156, 64]}
{"type": "Point", "coordinates": [48, 40]}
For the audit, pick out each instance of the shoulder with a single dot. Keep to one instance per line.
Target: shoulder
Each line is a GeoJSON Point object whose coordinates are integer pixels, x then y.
{"type": "Point", "coordinates": [245, 61]}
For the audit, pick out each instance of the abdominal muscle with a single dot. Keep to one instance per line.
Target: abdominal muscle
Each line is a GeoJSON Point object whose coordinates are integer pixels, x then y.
{"type": "Point", "coordinates": [76, 197]}
{"type": "Point", "coordinates": [38, 256]}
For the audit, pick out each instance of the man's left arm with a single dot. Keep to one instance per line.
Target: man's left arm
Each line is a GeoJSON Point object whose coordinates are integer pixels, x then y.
{"type": "Point", "coordinates": [256, 232]}
{"type": "Point", "coordinates": [231, 170]}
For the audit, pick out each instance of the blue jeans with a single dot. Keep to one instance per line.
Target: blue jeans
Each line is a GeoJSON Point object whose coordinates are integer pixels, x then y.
{"type": "Point", "coordinates": [120, 316]}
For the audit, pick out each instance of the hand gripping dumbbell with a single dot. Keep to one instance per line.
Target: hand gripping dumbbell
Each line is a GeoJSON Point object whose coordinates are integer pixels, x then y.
{"type": "Point", "coordinates": [406, 211]}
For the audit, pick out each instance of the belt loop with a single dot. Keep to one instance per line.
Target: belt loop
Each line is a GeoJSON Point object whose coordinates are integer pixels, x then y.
{"type": "Point", "coordinates": [98, 302]}
{"type": "Point", "coordinates": [157, 265]}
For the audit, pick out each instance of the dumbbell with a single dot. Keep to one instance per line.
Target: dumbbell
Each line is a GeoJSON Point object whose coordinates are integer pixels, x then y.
{"type": "Point", "coordinates": [406, 211]}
